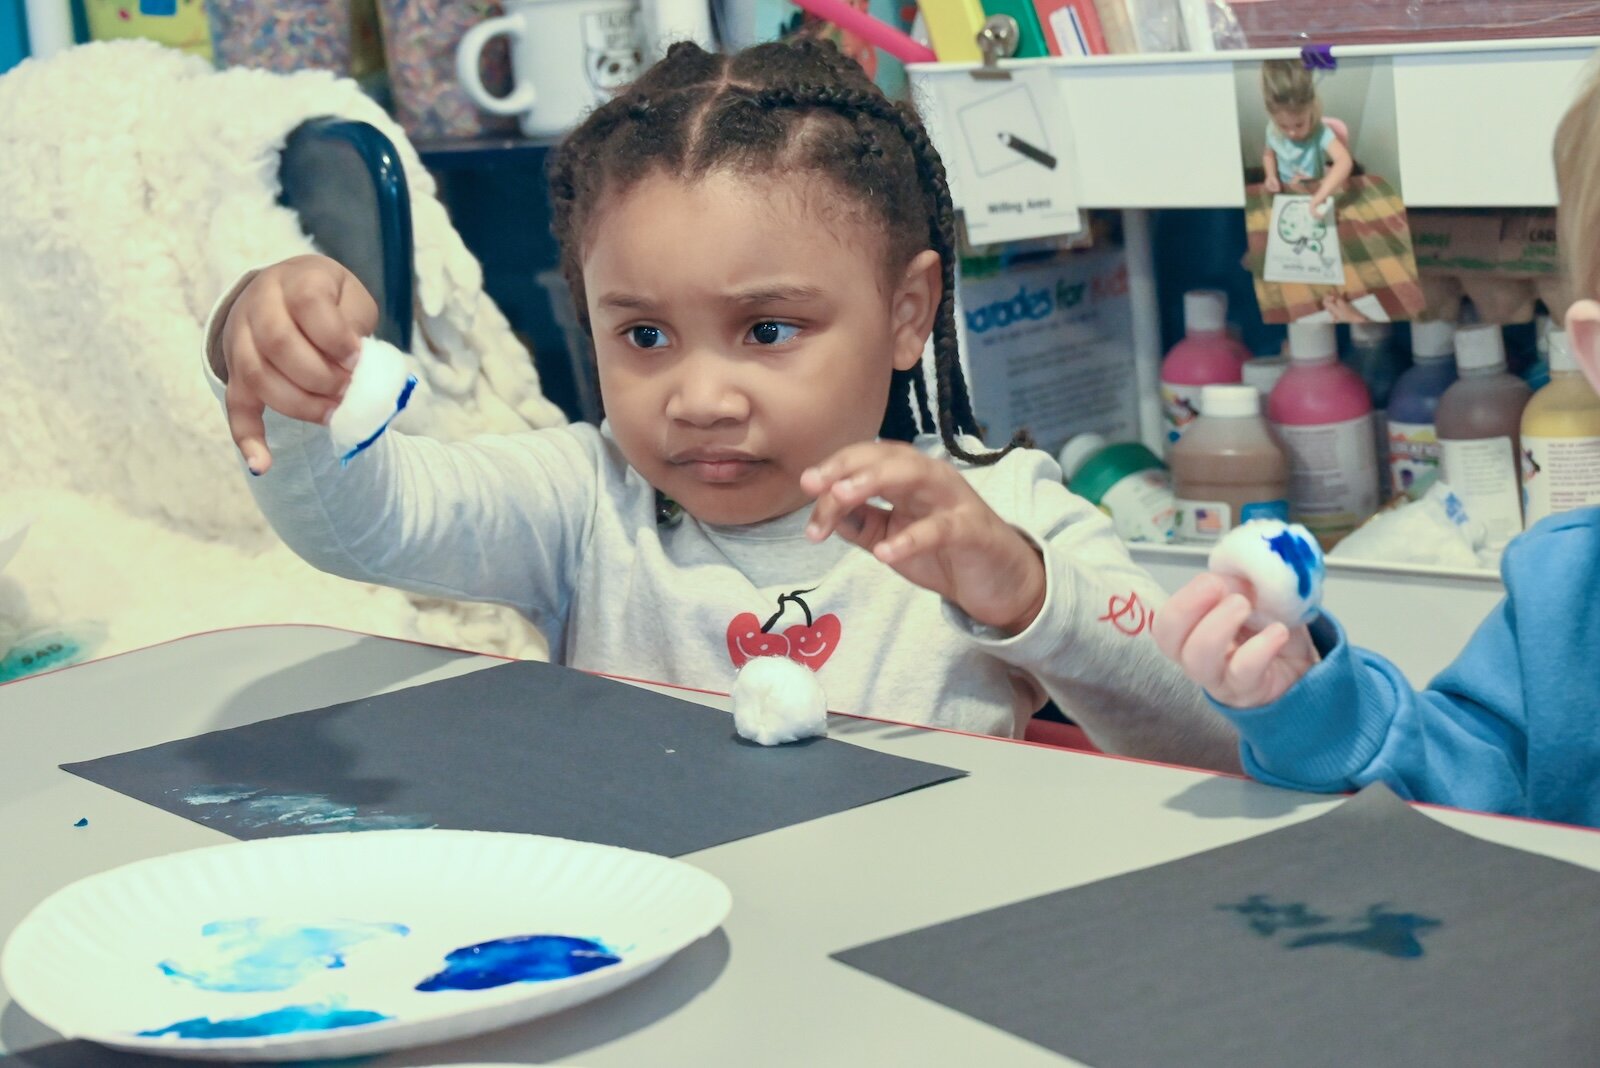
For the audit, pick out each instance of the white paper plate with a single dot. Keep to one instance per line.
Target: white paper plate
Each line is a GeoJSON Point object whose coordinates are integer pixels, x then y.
{"type": "Point", "coordinates": [88, 961]}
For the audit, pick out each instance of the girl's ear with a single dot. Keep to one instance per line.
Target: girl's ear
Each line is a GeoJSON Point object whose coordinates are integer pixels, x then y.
{"type": "Point", "coordinates": [1583, 334]}
{"type": "Point", "coordinates": [915, 306]}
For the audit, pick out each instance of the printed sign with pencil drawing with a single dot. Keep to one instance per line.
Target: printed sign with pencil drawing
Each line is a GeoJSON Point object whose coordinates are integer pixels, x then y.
{"type": "Point", "coordinates": [1007, 150]}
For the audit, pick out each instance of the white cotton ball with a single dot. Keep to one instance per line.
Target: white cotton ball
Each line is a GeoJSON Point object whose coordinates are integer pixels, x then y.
{"type": "Point", "coordinates": [1283, 564]}
{"type": "Point", "coordinates": [380, 387]}
{"type": "Point", "coordinates": [777, 700]}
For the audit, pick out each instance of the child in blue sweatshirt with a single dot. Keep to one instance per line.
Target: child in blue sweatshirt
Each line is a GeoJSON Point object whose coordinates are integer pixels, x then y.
{"type": "Point", "coordinates": [1512, 726]}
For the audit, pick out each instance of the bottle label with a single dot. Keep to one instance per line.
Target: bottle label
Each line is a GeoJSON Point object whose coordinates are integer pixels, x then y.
{"type": "Point", "coordinates": [1141, 507]}
{"type": "Point", "coordinates": [1203, 521]}
{"type": "Point", "coordinates": [1333, 475]}
{"type": "Point", "coordinates": [1485, 475]}
{"type": "Point", "coordinates": [1180, 406]}
{"type": "Point", "coordinates": [1278, 510]}
{"type": "Point", "coordinates": [1413, 457]}
{"type": "Point", "coordinates": [1559, 474]}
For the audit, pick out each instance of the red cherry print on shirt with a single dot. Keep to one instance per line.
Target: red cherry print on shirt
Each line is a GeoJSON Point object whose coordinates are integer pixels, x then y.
{"type": "Point", "coordinates": [813, 645]}
{"type": "Point", "coordinates": [746, 640]}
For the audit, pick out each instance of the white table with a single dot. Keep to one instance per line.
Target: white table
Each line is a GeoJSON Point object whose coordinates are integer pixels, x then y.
{"type": "Point", "coordinates": [1028, 820]}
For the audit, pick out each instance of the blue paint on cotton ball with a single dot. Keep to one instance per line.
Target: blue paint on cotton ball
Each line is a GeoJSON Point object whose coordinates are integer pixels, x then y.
{"type": "Point", "coordinates": [1283, 566]}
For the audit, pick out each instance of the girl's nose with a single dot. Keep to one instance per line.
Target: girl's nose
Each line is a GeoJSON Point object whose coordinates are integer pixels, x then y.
{"type": "Point", "coordinates": [707, 393]}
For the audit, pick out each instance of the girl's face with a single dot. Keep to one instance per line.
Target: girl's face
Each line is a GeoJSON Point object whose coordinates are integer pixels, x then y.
{"type": "Point", "coordinates": [744, 333]}
{"type": "Point", "coordinates": [1295, 124]}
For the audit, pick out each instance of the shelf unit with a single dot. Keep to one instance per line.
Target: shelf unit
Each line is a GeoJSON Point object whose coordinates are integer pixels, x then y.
{"type": "Point", "coordinates": [1474, 121]}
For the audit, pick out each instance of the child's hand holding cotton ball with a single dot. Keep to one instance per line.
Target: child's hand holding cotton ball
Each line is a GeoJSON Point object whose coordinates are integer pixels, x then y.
{"type": "Point", "coordinates": [777, 700]}
{"type": "Point", "coordinates": [1224, 628]}
{"type": "Point", "coordinates": [1280, 563]}
{"type": "Point", "coordinates": [380, 388]}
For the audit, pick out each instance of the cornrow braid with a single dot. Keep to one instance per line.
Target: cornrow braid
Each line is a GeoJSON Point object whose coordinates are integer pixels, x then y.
{"type": "Point", "coordinates": [695, 111]}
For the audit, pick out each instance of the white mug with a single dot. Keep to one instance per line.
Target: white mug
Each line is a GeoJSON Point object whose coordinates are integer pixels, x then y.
{"type": "Point", "coordinates": [567, 57]}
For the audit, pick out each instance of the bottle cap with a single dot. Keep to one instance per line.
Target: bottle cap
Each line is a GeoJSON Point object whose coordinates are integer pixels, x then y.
{"type": "Point", "coordinates": [1205, 311]}
{"type": "Point", "coordinates": [1229, 402]}
{"type": "Point", "coordinates": [1370, 334]}
{"type": "Point", "coordinates": [1433, 339]}
{"type": "Point", "coordinates": [1561, 358]}
{"type": "Point", "coordinates": [1263, 373]}
{"type": "Point", "coordinates": [1312, 341]}
{"type": "Point", "coordinates": [1075, 453]}
{"type": "Point", "coordinates": [1480, 348]}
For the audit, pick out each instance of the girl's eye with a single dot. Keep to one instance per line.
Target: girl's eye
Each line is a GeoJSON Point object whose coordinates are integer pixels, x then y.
{"type": "Point", "coordinates": [771, 333]}
{"type": "Point", "coordinates": [647, 337]}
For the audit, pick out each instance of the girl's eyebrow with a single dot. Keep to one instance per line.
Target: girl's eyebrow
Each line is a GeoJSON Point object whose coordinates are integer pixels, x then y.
{"type": "Point", "coordinates": [775, 294]}
{"type": "Point", "coordinates": [626, 302]}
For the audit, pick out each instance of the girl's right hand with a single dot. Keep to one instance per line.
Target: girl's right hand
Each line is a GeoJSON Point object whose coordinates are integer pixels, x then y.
{"type": "Point", "coordinates": [1273, 185]}
{"type": "Point", "coordinates": [288, 344]}
{"type": "Point", "coordinates": [1202, 629]}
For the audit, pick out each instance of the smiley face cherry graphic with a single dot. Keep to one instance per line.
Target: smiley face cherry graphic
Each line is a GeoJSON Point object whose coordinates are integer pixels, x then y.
{"type": "Point", "coordinates": [811, 643]}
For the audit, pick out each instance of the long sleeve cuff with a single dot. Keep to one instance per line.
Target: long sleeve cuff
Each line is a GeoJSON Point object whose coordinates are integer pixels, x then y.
{"type": "Point", "coordinates": [1322, 732]}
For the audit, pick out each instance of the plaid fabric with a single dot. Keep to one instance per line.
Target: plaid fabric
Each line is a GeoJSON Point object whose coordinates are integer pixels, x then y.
{"type": "Point", "coordinates": [1374, 239]}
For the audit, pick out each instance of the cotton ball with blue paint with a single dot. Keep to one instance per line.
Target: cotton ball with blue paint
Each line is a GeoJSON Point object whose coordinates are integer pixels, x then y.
{"type": "Point", "coordinates": [1282, 564]}
{"type": "Point", "coordinates": [380, 388]}
{"type": "Point", "coordinates": [777, 700]}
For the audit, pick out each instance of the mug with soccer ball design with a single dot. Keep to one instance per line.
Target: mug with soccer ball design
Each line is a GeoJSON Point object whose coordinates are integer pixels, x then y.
{"type": "Point", "coordinates": [567, 57]}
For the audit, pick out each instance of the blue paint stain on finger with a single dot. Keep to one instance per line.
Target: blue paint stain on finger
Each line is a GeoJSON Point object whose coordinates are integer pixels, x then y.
{"type": "Point", "coordinates": [256, 955]}
{"type": "Point", "coordinates": [520, 959]}
{"type": "Point", "coordinates": [293, 1019]}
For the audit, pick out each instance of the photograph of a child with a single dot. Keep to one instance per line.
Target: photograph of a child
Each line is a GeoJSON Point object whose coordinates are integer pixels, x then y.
{"type": "Point", "coordinates": [1323, 205]}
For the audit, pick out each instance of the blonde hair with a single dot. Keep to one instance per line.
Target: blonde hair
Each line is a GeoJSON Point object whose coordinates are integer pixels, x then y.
{"type": "Point", "coordinates": [1286, 85]}
{"type": "Point", "coordinates": [1577, 155]}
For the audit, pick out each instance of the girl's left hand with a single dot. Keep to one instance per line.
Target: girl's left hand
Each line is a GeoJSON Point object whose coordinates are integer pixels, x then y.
{"type": "Point", "coordinates": [939, 533]}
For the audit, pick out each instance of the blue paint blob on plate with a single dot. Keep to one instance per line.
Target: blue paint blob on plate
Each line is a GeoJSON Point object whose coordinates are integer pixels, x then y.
{"type": "Point", "coordinates": [521, 959]}
{"type": "Point", "coordinates": [293, 1019]}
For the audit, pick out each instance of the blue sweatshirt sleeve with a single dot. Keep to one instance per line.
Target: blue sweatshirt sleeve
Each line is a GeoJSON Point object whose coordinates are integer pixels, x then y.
{"type": "Point", "coordinates": [1354, 719]}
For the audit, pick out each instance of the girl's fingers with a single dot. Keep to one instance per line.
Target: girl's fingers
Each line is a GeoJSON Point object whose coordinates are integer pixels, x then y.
{"type": "Point", "coordinates": [1206, 654]}
{"type": "Point", "coordinates": [1249, 664]}
{"type": "Point", "coordinates": [865, 526]}
{"type": "Point", "coordinates": [282, 346]}
{"type": "Point", "coordinates": [249, 433]}
{"type": "Point", "coordinates": [923, 536]}
{"type": "Point", "coordinates": [1183, 610]}
{"type": "Point", "coordinates": [282, 395]}
{"type": "Point", "coordinates": [314, 305]}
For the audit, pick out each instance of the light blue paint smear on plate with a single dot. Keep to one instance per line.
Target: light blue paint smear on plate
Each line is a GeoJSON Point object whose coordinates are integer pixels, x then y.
{"type": "Point", "coordinates": [256, 955]}
{"type": "Point", "coordinates": [293, 1019]}
{"type": "Point", "coordinates": [521, 959]}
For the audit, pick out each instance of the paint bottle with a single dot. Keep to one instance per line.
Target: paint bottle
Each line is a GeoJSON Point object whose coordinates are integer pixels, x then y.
{"type": "Point", "coordinates": [1206, 356]}
{"type": "Point", "coordinates": [1263, 373]}
{"type": "Point", "coordinates": [1413, 445]}
{"type": "Point", "coordinates": [1561, 439]}
{"type": "Point", "coordinates": [1372, 356]}
{"type": "Point", "coordinates": [1538, 375]}
{"type": "Point", "coordinates": [1228, 468]}
{"type": "Point", "coordinates": [1322, 413]}
{"type": "Point", "coordinates": [1126, 481]}
{"type": "Point", "coordinates": [1479, 422]}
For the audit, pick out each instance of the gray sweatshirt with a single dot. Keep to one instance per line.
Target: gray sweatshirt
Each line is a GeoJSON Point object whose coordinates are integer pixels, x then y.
{"type": "Point", "coordinates": [556, 524]}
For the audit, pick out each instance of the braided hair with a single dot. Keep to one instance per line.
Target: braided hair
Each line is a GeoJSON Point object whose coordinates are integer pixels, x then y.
{"type": "Point", "coordinates": [787, 107]}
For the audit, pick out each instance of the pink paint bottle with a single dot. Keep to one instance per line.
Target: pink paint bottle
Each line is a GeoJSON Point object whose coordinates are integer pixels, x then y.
{"type": "Point", "coordinates": [1323, 415]}
{"type": "Point", "coordinates": [1206, 356]}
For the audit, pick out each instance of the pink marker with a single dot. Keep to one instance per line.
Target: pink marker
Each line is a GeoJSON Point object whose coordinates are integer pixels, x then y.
{"type": "Point", "coordinates": [874, 32]}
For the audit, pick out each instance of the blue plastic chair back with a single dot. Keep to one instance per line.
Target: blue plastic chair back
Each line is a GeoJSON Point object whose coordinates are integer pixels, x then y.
{"type": "Point", "coordinates": [344, 180]}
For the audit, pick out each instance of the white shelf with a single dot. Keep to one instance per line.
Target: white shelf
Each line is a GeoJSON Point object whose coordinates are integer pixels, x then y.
{"type": "Point", "coordinates": [1475, 121]}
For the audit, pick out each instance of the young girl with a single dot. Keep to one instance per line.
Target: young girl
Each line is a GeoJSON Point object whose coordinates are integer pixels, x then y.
{"type": "Point", "coordinates": [1510, 726]}
{"type": "Point", "coordinates": [1298, 140]}
{"type": "Point", "coordinates": [759, 246]}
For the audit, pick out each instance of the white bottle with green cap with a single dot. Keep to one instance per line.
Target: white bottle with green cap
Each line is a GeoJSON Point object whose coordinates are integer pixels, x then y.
{"type": "Point", "coordinates": [1126, 481]}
